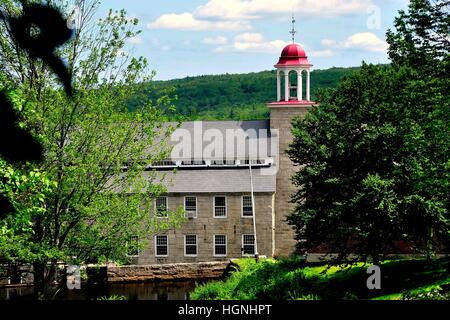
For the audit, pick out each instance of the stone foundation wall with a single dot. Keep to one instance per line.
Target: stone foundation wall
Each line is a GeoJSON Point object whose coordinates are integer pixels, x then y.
{"type": "Point", "coordinates": [167, 272]}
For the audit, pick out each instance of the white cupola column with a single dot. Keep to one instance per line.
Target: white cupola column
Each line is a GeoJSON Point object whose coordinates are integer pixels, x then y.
{"type": "Point", "coordinates": [286, 86]}
{"type": "Point", "coordinates": [308, 86]}
{"type": "Point", "coordinates": [299, 85]}
{"type": "Point", "coordinates": [278, 86]}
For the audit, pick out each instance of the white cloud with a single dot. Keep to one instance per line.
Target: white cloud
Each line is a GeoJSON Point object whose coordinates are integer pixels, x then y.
{"type": "Point", "coordinates": [264, 47]}
{"type": "Point", "coordinates": [250, 37]}
{"type": "Point", "coordinates": [224, 10]}
{"type": "Point", "coordinates": [329, 43]}
{"type": "Point", "coordinates": [320, 53]}
{"type": "Point", "coordinates": [255, 9]}
{"type": "Point", "coordinates": [235, 15]}
{"type": "Point", "coordinates": [186, 21]}
{"type": "Point", "coordinates": [215, 40]}
{"type": "Point", "coordinates": [253, 42]}
{"type": "Point", "coordinates": [135, 40]}
{"type": "Point", "coordinates": [366, 41]}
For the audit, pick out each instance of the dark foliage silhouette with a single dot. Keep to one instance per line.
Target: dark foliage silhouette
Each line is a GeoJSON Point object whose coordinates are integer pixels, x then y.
{"type": "Point", "coordinates": [39, 31]}
{"type": "Point", "coordinates": [52, 31]}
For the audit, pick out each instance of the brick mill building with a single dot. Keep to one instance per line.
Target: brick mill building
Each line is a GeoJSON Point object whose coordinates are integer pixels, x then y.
{"type": "Point", "coordinates": [227, 197]}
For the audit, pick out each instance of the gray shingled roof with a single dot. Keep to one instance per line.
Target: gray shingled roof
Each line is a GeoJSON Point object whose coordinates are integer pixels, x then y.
{"type": "Point", "coordinates": [259, 126]}
{"type": "Point", "coordinates": [217, 181]}
{"type": "Point", "coordinates": [224, 125]}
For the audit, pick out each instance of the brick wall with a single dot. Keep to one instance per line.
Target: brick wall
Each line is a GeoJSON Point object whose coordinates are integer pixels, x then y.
{"type": "Point", "coordinates": [281, 119]}
{"type": "Point", "coordinates": [205, 226]}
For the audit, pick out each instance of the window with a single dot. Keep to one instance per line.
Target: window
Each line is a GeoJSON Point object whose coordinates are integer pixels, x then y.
{"type": "Point", "coordinates": [220, 245]}
{"type": "Point", "coordinates": [193, 163]}
{"type": "Point", "coordinates": [161, 246]}
{"type": "Point", "coordinates": [190, 245]}
{"type": "Point", "coordinates": [161, 207]}
{"type": "Point", "coordinates": [223, 162]}
{"type": "Point", "coordinates": [164, 163]}
{"type": "Point", "coordinates": [220, 207]}
{"type": "Point", "coordinates": [190, 207]}
{"type": "Point", "coordinates": [253, 162]}
{"type": "Point", "coordinates": [133, 246]}
{"type": "Point", "coordinates": [248, 244]}
{"type": "Point", "coordinates": [247, 208]}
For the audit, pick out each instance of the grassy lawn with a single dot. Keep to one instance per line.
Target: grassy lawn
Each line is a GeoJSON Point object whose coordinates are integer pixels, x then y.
{"type": "Point", "coordinates": [292, 279]}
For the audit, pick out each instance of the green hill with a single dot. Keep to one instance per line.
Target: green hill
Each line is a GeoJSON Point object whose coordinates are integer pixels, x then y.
{"type": "Point", "coordinates": [231, 96]}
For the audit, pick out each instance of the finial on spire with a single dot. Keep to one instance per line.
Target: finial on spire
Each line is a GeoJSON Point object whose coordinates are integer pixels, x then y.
{"type": "Point", "coordinates": [293, 32]}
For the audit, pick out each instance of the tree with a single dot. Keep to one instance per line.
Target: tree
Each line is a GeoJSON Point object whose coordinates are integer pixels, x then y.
{"type": "Point", "coordinates": [421, 45]}
{"type": "Point", "coordinates": [374, 154]}
{"type": "Point", "coordinates": [98, 196]}
{"type": "Point", "coordinates": [421, 38]}
{"type": "Point", "coordinates": [212, 97]}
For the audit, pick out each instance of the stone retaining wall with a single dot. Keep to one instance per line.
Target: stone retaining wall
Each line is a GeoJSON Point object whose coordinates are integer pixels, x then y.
{"type": "Point", "coordinates": [167, 272]}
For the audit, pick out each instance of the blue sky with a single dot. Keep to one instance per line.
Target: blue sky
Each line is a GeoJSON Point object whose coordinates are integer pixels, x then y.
{"type": "Point", "coordinates": [194, 37]}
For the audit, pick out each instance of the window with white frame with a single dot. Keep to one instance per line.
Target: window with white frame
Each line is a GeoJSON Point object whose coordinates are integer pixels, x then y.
{"type": "Point", "coordinates": [190, 207]}
{"type": "Point", "coordinates": [161, 246]}
{"type": "Point", "coordinates": [223, 162]}
{"type": "Point", "coordinates": [164, 163]}
{"type": "Point", "coordinates": [248, 244]}
{"type": "Point", "coordinates": [133, 246]}
{"type": "Point", "coordinates": [193, 163]}
{"type": "Point", "coordinates": [253, 162]}
{"type": "Point", "coordinates": [220, 207]}
{"type": "Point", "coordinates": [247, 208]}
{"type": "Point", "coordinates": [190, 245]}
{"type": "Point", "coordinates": [161, 207]}
{"type": "Point", "coordinates": [220, 245]}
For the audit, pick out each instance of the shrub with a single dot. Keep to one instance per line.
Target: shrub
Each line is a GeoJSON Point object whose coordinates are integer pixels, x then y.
{"type": "Point", "coordinates": [433, 294]}
{"type": "Point", "coordinates": [291, 279]}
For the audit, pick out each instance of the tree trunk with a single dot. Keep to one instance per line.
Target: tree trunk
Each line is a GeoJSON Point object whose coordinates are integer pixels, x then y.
{"type": "Point", "coordinates": [44, 274]}
{"type": "Point", "coordinates": [40, 287]}
{"type": "Point", "coordinates": [430, 251]}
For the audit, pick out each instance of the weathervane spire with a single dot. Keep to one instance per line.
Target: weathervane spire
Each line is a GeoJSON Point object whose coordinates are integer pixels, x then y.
{"type": "Point", "coordinates": [293, 32]}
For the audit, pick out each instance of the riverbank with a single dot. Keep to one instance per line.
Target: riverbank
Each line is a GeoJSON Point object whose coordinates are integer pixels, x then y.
{"type": "Point", "coordinates": [293, 279]}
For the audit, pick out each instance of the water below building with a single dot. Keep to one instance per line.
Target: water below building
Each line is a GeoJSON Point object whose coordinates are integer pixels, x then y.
{"type": "Point", "coordinates": [131, 291]}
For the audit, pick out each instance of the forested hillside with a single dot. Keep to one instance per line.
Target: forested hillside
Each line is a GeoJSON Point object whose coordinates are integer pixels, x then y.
{"type": "Point", "coordinates": [230, 96]}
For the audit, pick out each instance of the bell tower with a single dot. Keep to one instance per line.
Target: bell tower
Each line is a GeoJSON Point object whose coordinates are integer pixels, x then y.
{"type": "Point", "coordinates": [293, 61]}
{"type": "Point", "coordinates": [293, 69]}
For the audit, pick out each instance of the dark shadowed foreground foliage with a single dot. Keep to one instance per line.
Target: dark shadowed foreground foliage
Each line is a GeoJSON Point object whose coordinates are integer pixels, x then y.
{"type": "Point", "coordinates": [294, 279]}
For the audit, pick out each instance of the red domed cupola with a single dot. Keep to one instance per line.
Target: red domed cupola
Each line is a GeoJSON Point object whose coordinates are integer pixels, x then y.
{"type": "Point", "coordinates": [292, 67]}
{"type": "Point", "coordinates": [293, 55]}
